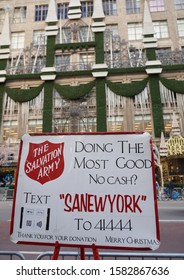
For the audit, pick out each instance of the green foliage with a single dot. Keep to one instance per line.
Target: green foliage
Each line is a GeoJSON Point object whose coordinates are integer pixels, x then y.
{"type": "Point", "coordinates": [3, 63]}
{"type": "Point", "coordinates": [174, 85]}
{"type": "Point", "coordinates": [47, 106]}
{"type": "Point", "coordinates": [23, 95]}
{"type": "Point", "coordinates": [50, 51]}
{"type": "Point", "coordinates": [128, 89]}
{"type": "Point", "coordinates": [157, 111]}
{"type": "Point", "coordinates": [74, 92]}
{"type": "Point", "coordinates": [101, 105]}
{"type": "Point", "coordinates": [150, 53]}
{"type": "Point", "coordinates": [2, 86]}
{"type": "Point", "coordinates": [75, 46]}
{"type": "Point", "coordinates": [99, 49]}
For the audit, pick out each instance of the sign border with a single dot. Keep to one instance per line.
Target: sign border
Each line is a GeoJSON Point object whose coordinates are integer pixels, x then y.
{"type": "Point", "coordinates": [79, 245]}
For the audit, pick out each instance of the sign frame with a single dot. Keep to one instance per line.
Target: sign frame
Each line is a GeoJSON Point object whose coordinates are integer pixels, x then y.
{"type": "Point", "coordinates": [89, 245]}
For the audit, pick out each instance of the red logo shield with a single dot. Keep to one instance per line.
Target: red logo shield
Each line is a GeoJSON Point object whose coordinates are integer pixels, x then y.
{"type": "Point", "coordinates": [45, 161]}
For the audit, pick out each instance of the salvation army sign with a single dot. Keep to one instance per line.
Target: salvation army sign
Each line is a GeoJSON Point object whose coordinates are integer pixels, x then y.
{"type": "Point", "coordinates": [45, 161]}
{"type": "Point", "coordinates": [84, 189]}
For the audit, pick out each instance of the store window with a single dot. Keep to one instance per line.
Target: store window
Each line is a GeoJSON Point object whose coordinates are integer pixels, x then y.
{"type": "Point", "coordinates": [35, 126]}
{"type": "Point", "coordinates": [143, 123]}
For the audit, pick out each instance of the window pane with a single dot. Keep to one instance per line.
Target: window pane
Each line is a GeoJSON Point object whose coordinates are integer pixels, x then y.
{"type": "Point", "coordinates": [62, 62]}
{"type": "Point", "coordinates": [17, 40]}
{"type": "Point", "coordinates": [133, 6]}
{"type": "Point", "coordinates": [179, 4]}
{"type": "Point", "coordinates": [113, 28]}
{"type": "Point", "coordinates": [86, 61]}
{"type": "Point", "coordinates": [109, 7]}
{"type": "Point", "coordinates": [41, 12]}
{"type": "Point", "coordinates": [39, 38]}
{"type": "Point", "coordinates": [180, 24]}
{"type": "Point", "coordinates": [19, 15]}
{"type": "Point", "coordinates": [161, 29]}
{"type": "Point", "coordinates": [157, 5]}
{"type": "Point", "coordinates": [62, 11]}
{"type": "Point", "coordinates": [134, 31]}
{"type": "Point", "coordinates": [87, 8]}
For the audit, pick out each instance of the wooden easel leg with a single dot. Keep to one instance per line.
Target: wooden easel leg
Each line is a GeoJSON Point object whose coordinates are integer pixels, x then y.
{"type": "Point", "coordinates": [56, 251]}
{"type": "Point", "coordinates": [95, 252]}
{"type": "Point", "coordinates": [82, 253]}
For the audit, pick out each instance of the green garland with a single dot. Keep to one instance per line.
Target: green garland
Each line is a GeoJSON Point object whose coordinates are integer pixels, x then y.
{"type": "Point", "coordinates": [75, 46]}
{"type": "Point", "coordinates": [74, 92]}
{"type": "Point", "coordinates": [101, 105]}
{"type": "Point", "coordinates": [99, 47]}
{"type": "Point", "coordinates": [23, 95]}
{"type": "Point", "coordinates": [157, 110]}
{"type": "Point", "coordinates": [50, 51]}
{"type": "Point", "coordinates": [3, 64]}
{"type": "Point", "coordinates": [47, 106]}
{"type": "Point", "coordinates": [128, 89]}
{"type": "Point", "coordinates": [174, 85]}
{"type": "Point", "coordinates": [2, 86]}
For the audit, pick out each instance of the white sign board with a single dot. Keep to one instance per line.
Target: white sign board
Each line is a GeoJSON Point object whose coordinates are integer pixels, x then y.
{"type": "Point", "coordinates": [84, 189]}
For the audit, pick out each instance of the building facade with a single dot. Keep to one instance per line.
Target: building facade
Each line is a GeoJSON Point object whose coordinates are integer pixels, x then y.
{"type": "Point", "coordinates": [87, 66]}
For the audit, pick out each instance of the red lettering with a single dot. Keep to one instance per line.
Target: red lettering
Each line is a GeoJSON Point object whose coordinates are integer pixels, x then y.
{"type": "Point", "coordinates": [93, 203]}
